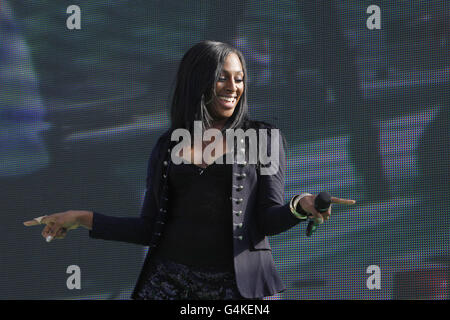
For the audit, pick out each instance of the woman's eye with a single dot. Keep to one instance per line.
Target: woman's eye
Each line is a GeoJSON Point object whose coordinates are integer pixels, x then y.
{"type": "Point", "coordinates": [225, 79]}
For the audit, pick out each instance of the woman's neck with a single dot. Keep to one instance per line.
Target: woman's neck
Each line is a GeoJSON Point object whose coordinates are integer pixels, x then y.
{"type": "Point", "coordinates": [218, 124]}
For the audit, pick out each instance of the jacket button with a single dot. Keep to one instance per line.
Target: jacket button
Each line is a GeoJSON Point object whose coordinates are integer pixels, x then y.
{"type": "Point", "coordinates": [244, 163]}
{"type": "Point", "coordinates": [165, 163]}
{"type": "Point", "coordinates": [239, 225]}
{"type": "Point", "coordinates": [237, 213]}
{"type": "Point", "coordinates": [239, 237]}
{"type": "Point", "coordinates": [242, 176]}
{"type": "Point", "coordinates": [239, 200]}
{"type": "Point", "coordinates": [239, 188]}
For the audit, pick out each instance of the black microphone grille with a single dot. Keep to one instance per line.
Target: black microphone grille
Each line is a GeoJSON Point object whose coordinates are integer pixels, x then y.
{"type": "Point", "coordinates": [323, 201]}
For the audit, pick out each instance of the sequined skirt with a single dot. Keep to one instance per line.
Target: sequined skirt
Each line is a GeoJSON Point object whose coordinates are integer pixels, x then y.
{"type": "Point", "coordinates": [168, 280]}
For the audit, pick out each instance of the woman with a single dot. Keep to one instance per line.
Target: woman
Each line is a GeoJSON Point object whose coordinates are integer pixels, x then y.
{"type": "Point", "coordinates": [206, 224]}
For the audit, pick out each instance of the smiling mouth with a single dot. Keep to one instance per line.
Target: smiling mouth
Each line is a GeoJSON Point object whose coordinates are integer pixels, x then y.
{"type": "Point", "coordinates": [227, 99]}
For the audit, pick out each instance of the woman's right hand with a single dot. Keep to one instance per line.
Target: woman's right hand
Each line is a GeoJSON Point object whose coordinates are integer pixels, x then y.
{"type": "Point", "coordinates": [58, 224]}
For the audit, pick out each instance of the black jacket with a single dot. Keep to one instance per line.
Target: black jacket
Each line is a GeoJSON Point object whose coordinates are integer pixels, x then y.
{"type": "Point", "coordinates": [258, 210]}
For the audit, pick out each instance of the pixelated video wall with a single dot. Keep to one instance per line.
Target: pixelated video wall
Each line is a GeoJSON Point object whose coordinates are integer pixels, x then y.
{"type": "Point", "coordinates": [359, 89]}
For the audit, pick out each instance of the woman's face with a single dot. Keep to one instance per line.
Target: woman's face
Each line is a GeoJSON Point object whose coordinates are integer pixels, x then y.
{"type": "Point", "coordinates": [229, 89]}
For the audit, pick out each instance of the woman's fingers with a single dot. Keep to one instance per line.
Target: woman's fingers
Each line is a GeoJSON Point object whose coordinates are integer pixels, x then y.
{"type": "Point", "coordinates": [36, 221]}
{"type": "Point", "coordinates": [342, 201]}
{"type": "Point", "coordinates": [61, 234]}
{"type": "Point", "coordinates": [46, 231]}
{"type": "Point", "coordinates": [56, 225]}
{"type": "Point", "coordinates": [31, 223]}
{"type": "Point", "coordinates": [326, 215]}
{"type": "Point", "coordinates": [52, 230]}
{"type": "Point", "coordinates": [307, 204]}
{"type": "Point", "coordinates": [318, 217]}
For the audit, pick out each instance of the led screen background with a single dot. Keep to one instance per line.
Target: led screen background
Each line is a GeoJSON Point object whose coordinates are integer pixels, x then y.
{"type": "Point", "coordinates": [365, 113]}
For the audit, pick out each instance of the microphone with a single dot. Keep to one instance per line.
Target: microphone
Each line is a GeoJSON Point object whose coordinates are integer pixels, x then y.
{"type": "Point", "coordinates": [321, 203]}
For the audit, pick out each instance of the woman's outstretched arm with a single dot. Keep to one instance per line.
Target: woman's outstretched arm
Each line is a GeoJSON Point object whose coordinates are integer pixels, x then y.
{"type": "Point", "coordinates": [274, 214]}
{"type": "Point", "coordinates": [127, 229]}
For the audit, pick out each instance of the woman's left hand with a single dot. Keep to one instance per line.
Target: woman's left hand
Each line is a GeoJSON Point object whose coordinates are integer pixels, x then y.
{"type": "Point", "coordinates": [307, 204]}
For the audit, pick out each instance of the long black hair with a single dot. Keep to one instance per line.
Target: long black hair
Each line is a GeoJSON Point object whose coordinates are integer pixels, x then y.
{"type": "Point", "coordinates": [198, 72]}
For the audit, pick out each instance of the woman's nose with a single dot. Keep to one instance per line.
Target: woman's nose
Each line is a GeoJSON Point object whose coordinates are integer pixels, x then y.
{"type": "Point", "coordinates": [231, 85]}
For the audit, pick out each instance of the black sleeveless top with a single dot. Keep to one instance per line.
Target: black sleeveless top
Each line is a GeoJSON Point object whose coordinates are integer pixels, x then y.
{"type": "Point", "coordinates": [198, 231]}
